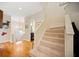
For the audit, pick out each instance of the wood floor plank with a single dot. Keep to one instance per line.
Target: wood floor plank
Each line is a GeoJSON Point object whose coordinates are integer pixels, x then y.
{"type": "Point", "coordinates": [16, 50]}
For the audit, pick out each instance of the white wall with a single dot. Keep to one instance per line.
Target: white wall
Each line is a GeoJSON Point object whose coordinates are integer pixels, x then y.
{"type": "Point", "coordinates": [39, 16]}
{"type": "Point", "coordinates": [5, 37]}
{"type": "Point", "coordinates": [54, 14]}
{"type": "Point", "coordinates": [73, 10]}
{"type": "Point", "coordinates": [18, 28]}
{"type": "Point", "coordinates": [6, 17]}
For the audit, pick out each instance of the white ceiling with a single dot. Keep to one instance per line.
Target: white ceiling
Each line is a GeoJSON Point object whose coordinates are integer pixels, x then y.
{"type": "Point", "coordinates": [28, 8]}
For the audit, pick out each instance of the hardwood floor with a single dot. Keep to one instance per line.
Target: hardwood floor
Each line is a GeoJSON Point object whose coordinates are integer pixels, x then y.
{"type": "Point", "coordinates": [15, 49]}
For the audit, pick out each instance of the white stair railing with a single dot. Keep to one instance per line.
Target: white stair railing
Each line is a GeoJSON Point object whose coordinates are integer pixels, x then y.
{"type": "Point", "coordinates": [68, 37]}
{"type": "Point", "coordinates": [39, 33]}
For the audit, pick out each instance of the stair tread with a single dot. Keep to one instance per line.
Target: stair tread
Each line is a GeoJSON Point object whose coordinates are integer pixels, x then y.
{"type": "Point", "coordinates": [55, 28]}
{"type": "Point", "coordinates": [58, 28]}
{"type": "Point", "coordinates": [54, 35]}
{"type": "Point", "coordinates": [50, 52]}
{"type": "Point", "coordinates": [52, 45]}
{"type": "Point", "coordinates": [55, 40]}
{"type": "Point", "coordinates": [41, 54]}
{"type": "Point", "coordinates": [54, 32]}
{"type": "Point", "coordinates": [61, 30]}
{"type": "Point", "coordinates": [34, 53]}
{"type": "Point", "coordinates": [38, 53]}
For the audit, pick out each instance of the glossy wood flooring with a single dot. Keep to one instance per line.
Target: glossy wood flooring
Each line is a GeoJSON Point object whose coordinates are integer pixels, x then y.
{"type": "Point", "coordinates": [15, 49]}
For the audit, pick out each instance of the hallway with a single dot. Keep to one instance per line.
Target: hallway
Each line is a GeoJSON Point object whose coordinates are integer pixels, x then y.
{"type": "Point", "coordinates": [46, 24]}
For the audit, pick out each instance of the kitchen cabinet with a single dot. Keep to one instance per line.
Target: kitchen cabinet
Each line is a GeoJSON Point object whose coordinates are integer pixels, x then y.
{"type": "Point", "coordinates": [1, 18]}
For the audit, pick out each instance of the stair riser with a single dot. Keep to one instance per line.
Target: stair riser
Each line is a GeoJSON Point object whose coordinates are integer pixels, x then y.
{"type": "Point", "coordinates": [55, 31]}
{"type": "Point", "coordinates": [57, 38]}
{"type": "Point", "coordinates": [55, 35]}
{"type": "Point", "coordinates": [60, 41]}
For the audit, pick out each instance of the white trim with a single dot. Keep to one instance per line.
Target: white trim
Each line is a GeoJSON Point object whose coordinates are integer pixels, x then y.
{"type": "Point", "coordinates": [41, 38]}
{"type": "Point", "coordinates": [68, 37]}
{"type": "Point", "coordinates": [68, 25]}
{"type": "Point", "coordinates": [39, 26]}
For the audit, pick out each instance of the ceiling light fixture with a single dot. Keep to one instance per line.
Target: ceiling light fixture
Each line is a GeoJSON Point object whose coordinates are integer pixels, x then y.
{"type": "Point", "coordinates": [20, 8]}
